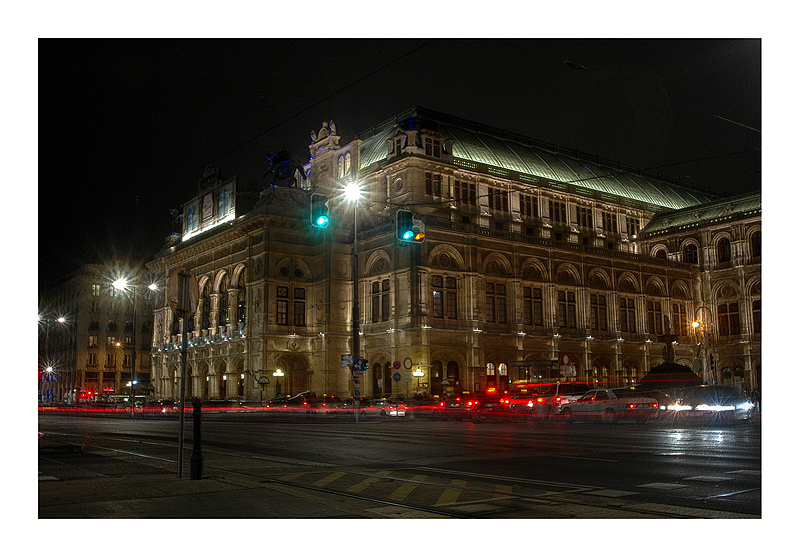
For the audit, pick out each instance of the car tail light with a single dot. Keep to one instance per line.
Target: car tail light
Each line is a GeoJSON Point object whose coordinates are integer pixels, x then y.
{"type": "Point", "coordinates": [558, 400]}
{"type": "Point", "coordinates": [540, 399]}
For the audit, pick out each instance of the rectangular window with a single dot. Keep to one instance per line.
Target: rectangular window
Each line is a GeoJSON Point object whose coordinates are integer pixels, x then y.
{"type": "Point", "coordinates": [92, 341]}
{"type": "Point", "coordinates": [95, 290]}
{"type": "Point", "coordinates": [496, 302]}
{"type": "Point", "coordinates": [91, 359]}
{"type": "Point", "coordinates": [627, 315]}
{"type": "Point", "coordinates": [757, 317]}
{"type": "Point", "coordinates": [585, 217]}
{"type": "Point", "coordinates": [567, 310]}
{"type": "Point", "coordinates": [433, 184]}
{"type": "Point", "coordinates": [299, 313]}
{"type": "Point", "coordinates": [126, 360]}
{"type": "Point", "coordinates": [445, 297]}
{"type": "Point", "coordinates": [609, 222]}
{"type": "Point", "coordinates": [680, 320]}
{"type": "Point", "coordinates": [729, 319]}
{"type": "Point", "coordinates": [433, 147]}
{"type": "Point", "coordinates": [111, 360]}
{"type": "Point", "coordinates": [655, 320]}
{"type": "Point", "coordinates": [599, 312]}
{"type": "Point", "coordinates": [634, 226]}
{"type": "Point", "coordinates": [528, 206]}
{"type": "Point", "coordinates": [466, 193]}
{"type": "Point", "coordinates": [282, 308]}
{"type": "Point", "coordinates": [498, 200]}
{"type": "Point", "coordinates": [558, 211]}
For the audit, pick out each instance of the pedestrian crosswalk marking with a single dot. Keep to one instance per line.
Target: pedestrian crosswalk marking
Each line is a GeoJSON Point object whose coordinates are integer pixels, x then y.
{"type": "Point", "coordinates": [503, 491]}
{"type": "Point", "coordinates": [328, 479]}
{"type": "Point", "coordinates": [408, 486]}
{"type": "Point", "coordinates": [450, 494]}
{"type": "Point", "coordinates": [365, 483]}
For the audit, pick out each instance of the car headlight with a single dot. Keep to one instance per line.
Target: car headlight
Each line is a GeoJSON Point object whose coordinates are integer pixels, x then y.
{"type": "Point", "coordinates": [678, 407]}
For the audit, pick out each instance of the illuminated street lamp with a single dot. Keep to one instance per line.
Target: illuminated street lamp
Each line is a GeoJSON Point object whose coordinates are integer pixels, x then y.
{"type": "Point", "coordinates": [278, 373]}
{"type": "Point", "coordinates": [47, 361]}
{"type": "Point", "coordinates": [418, 373]}
{"type": "Point", "coordinates": [352, 192]}
{"type": "Point", "coordinates": [121, 284]}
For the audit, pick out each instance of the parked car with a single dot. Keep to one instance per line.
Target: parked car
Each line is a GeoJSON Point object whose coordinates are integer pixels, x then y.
{"type": "Point", "coordinates": [713, 403]}
{"type": "Point", "coordinates": [611, 405]}
{"type": "Point", "coordinates": [554, 396]}
{"type": "Point", "coordinates": [385, 407]}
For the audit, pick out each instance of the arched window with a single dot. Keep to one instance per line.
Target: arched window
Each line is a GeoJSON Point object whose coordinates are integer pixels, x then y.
{"type": "Point", "coordinates": [690, 254]}
{"type": "Point", "coordinates": [661, 254]}
{"type": "Point", "coordinates": [755, 244]}
{"type": "Point", "coordinates": [223, 302]}
{"type": "Point", "coordinates": [491, 376]}
{"type": "Point", "coordinates": [241, 299]}
{"type": "Point", "coordinates": [205, 320]}
{"type": "Point", "coordinates": [724, 250]}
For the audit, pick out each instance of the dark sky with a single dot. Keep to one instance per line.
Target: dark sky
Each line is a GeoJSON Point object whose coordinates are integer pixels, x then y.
{"type": "Point", "coordinates": [127, 126]}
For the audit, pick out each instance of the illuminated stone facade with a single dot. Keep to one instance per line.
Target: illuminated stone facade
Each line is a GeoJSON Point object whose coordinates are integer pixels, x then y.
{"type": "Point", "coordinates": [91, 350]}
{"type": "Point", "coordinates": [539, 262]}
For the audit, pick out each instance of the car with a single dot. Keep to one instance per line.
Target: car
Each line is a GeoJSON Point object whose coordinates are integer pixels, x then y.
{"type": "Point", "coordinates": [610, 406]}
{"type": "Point", "coordinates": [306, 400]}
{"type": "Point", "coordinates": [452, 407]}
{"type": "Point", "coordinates": [713, 403]}
{"type": "Point", "coordinates": [553, 396]}
{"type": "Point", "coordinates": [386, 407]}
{"type": "Point", "coordinates": [347, 405]}
{"type": "Point", "coordinates": [489, 404]}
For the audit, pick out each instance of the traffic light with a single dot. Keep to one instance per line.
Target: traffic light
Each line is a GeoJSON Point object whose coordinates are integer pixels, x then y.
{"type": "Point", "coordinates": [319, 210]}
{"type": "Point", "coordinates": [408, 228]}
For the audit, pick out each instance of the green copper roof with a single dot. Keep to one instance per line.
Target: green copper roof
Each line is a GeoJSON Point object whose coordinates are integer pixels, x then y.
{"type": "Point", "coordinates": [731, 208]}
{"type": "Point", "coordinates": [482, 144]}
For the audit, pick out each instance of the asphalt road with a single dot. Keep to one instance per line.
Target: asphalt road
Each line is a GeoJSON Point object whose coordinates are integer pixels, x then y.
{"type": "Point", "coordinates": [406, 468]}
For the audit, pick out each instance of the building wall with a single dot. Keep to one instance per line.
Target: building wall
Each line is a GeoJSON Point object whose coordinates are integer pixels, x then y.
{"type": "Point", "coordinates": [90, 352]}
{"type": "Point", "coordinates": [583, 297]}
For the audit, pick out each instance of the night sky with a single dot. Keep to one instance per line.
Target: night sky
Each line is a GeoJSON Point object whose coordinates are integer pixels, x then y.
{"type": "Point", "coordinates": [126, 127]}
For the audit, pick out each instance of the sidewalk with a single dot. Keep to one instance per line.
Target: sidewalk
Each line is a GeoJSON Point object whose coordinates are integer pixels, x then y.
{"type": "Point", "coordinates": [124, 488]}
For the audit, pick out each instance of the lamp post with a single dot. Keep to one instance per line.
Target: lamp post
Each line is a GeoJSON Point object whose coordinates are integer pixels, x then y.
{"type": "Point", "coordinates": [698, 324]}
{"type": "Point", "coordinates": [278, 373]}
{"type": "Point", "coordinates": [352, 192]}
{"type": "Point", "coordinates": [49, 377]}
{"type": "Point", "coordinates": [121, 284]}
{"type": "Point", "coordinates": [418, 373]}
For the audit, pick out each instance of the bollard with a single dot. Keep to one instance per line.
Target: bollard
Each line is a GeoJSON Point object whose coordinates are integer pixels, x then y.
{"type": "Point", "coordinates": [196, 462]}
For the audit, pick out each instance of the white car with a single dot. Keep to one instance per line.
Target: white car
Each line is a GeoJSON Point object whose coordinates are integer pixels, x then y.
{"type": "Point", "coordinates": [611, 405]}
{"type": "Point", "coordinates": [387, 407]}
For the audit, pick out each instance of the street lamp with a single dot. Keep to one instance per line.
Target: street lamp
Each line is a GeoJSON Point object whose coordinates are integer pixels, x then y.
{"type": "Point", "coordinates": [278, 373]}
{"type": "Point", "coordinates": [352, 192]}
{"type": "Point", "coordinates": [48, 362]}
{"type": "Point", "coordinates": [121, 284]}
{"type": "Point", "coordinates": [418, 373]}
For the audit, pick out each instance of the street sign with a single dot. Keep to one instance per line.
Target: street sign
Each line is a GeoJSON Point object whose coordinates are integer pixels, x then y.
{"type": "Point", "coordinates": [407, 363]}
{"type": "Point", "coordinates": [358, 364]}
{"type": "Point", "coordinates": [396, 364]}
{"type": "Point", "coordinates": [357, 373]}
{"type": "Point", "coordinates": [347, 360]}
{"type": "Point", "coordinates": [263, 380]}
{"type": "Point", "coordinates": [397, 377]}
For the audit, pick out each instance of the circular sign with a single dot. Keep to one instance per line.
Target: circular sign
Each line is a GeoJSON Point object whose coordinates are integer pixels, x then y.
{"type": "Point", "coordinates": [379, 375]}
{"type": "Point", "coordinates": [565, 359]}
{"type": "Point", "coordinates": [396, 364]}
{"type": "Point", "coordinates": [396, 377]}
{"type": "Point", "coordinates": [407, 363]}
